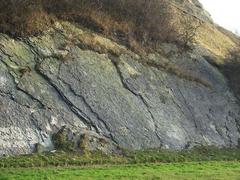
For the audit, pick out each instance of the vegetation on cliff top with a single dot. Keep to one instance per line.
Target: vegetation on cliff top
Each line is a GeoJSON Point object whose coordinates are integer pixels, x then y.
{"type": "Point", "coordinates": [136, 24]}
{"type": "Point", "coordinates": [139, 25]}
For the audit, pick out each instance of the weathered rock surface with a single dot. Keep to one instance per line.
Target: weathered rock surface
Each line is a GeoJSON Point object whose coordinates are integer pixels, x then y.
{"type": "Point", "coordinates": [47, 83]}
{"type": "Point", "coordinates": [195, 8]}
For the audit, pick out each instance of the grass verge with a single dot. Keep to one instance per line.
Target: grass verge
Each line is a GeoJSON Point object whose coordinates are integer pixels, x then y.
{"type": "Point", "coordinates": [206, 170]}
{"type": "Point", "coordinates": [66, 159]}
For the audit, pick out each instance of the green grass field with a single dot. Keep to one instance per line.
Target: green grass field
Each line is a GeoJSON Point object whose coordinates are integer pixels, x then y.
{"type": "Point", "coordinates": [198, 163]}
{"type": "Point", "coordinates": [168, 171]}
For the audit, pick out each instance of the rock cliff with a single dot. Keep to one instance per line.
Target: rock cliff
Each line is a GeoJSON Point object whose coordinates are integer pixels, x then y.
{"type": "Point", "coordinates": [170, 99]}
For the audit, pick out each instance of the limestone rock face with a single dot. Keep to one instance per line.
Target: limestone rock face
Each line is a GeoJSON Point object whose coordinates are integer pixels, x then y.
{"type": "Point", "coordinates": [169, 99]}
{"type": "Point", "coordinates": [194, 7]}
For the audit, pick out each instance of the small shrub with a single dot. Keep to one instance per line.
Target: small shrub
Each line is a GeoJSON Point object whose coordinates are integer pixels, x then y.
{"type": "Point", "coordinates": [84, 144]}
{"type": "Point", "coordinates": [39, 148]}
{"type": "Point", "coordinates": [187, 31]}
{"type": "Point", "coordinates": [61, 142]}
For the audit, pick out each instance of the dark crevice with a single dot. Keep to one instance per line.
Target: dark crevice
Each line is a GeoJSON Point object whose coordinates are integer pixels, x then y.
{"type": "Point", "coordinates": [190, 111]}
{"type": "Point", "coordinates": [179, 106]}
{"type": "Point", "coordinates": [183, 113]}
{"type": "Point", "coordinates": [217, 129]}
{"type": "Point", "coordinates": [174, 102]}
{"type": "Point", "coordinates": [10, 96]}
{"type": "Point", "coordinates": [228, 132]}
{"type": "Point", "coordinates": [19, 89]}
{"type": "Point", "coordinates": [237, 121]}
{"type": "Point", "coordinates": [90, 109]}
{"type": "Point", "coordinates": [33, 49]}
{"type": "Point", "coordinates": [78, 112]}
{"type": "Point", "coordinates": [231, 70]}
{"type": "Point", "coordinates": [38, 130]}
{"type": "Point", "coordinates": [42, 106]}
{"type": "Point", "coordinates": [3, 52]}
{"type": "Point", "coordinates": [5, 94]}
{"type": "Point", "coordinates": [114, 61]}
{"type": "Point", "coordinates": [188, 107]}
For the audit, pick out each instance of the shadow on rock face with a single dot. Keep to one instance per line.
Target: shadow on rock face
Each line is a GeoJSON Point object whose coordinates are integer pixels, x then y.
{"type": "Point", "coordinates": [231, 70]}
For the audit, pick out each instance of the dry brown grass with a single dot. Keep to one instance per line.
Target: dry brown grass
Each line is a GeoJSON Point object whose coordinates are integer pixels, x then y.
{"type": "Point", "coordinates": [139, 25]}
{"type": "Point", "coordinates": [215, 41]}
{"type": "Point", "coordinates": [23, 17]}
{"type": "Point", "coordinates": [91, 41]}
{"type": "Point", "coordinates": [133, 23]}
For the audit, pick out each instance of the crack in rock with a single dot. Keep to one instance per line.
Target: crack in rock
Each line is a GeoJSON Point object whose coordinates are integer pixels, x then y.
{"type": "Point", "coordinates": [78, 112]}
{"type": "Point", "coordinates": [228, 133]}
{"type": "Point", "coordinates": [91, 110]}
{"type": "Point", "coordinates": [175, 102]}
{"type": "Point", "coordinates": [188, 107]}
{"type": "Point", "coordinates": [42, 105]}
{"type": "Point", "coordinates": [21, 90]}
{"type": "Point", "coordinates": [139, 96]}
{"type": "Point", "coordinates": [75, 110]}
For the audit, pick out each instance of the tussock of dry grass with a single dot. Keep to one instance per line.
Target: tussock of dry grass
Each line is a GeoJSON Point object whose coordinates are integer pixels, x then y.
{"type": "Point", "coordinates": [91, 41]}
{"type": "Point", "coordinates": [215, 41]}
{"type": "Point", "coordinates": [23, 18]}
